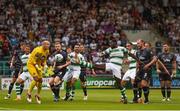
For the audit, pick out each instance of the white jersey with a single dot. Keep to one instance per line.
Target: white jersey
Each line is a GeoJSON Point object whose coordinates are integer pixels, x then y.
{"type": "Point", "coordinates": [116, 54]}
{"type": "Point", "coordinates": [132, 61]}
{"type": "Point", "coordinates": [74, 65]}
{"type": "Point", "coordinates": [24, 59]}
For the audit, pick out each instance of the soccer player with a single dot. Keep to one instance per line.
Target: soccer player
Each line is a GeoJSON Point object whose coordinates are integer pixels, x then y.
{"type": "Point", "coordinates": [25, 74]}
{"type": "Point", "coordinates": [36, 65]}
{"type": "Point", "coordinates": [116, 54]}
{"type": "Point", "coordinates": [82, 76]}
{"type": "Point", "coordinates": [169, 60]}
{"type": "Point", "coordinates": [15, 64]}
{"type": "Point", "coordinates": [60, 64]}
{"type": "Point", "coordinates": [131, 72]}
{"type": "Point", "coordinates": [72, 75]}
{"type": "Point", "coordinates": [143, 72]}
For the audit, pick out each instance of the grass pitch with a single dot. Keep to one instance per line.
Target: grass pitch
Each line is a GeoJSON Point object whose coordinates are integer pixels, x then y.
{"type": "Point", "coordinates": [98, 99]}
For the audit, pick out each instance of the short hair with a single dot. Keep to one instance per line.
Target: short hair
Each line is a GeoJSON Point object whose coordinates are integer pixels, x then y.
{"type": "Point", "coordinates": [129, 43]}
{"type": "Point", "coordinates": [166, 43]}
{"type": "Point", "coordinates": [44, 39]}
{"type": "Point", "coordinates": [57, 43]}
{"type": "Point", "coordinates": [148, 43]}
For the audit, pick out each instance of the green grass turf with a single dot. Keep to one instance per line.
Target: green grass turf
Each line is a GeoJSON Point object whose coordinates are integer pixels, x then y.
{"type": "Point", "coordinates": [99, 99]}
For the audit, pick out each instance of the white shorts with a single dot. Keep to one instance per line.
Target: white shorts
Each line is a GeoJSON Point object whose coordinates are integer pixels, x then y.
{"type": "Point", "coordinates": [71, 74]}
{"type": "Point", "coordinates": [116, 69]}
{"type": "Point", "coordinates": [25, 75]}
{"type": "Point", "coordinates": [130, 74]}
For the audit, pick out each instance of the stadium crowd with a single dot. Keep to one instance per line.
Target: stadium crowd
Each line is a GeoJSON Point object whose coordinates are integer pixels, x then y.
{"type": "Point", "coordinates": [91, 22]}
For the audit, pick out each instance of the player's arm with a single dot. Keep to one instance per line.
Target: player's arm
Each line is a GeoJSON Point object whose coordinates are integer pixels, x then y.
{"type": "Point", "coordinates": [68, 62]}
{"type": "Point", "coordinates": [134, 57]}
{"type": "Point", "coordinates": [12, 59]}
{"type": "Point", "coordinates": [90, 60]}
{"type": "Point", "coordinates": [158, 68]}
{"type": "Point", "coordinates": [160, 64]}
{"type": "Point", "coordinates": [154, 59]}
{"type": "Point", "coordinates": [174, 66]}
{"type": "Point", "coordinates": [35, 56]}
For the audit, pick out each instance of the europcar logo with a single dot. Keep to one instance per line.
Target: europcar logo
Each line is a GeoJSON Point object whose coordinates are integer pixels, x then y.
{"type": "Point", "coordinates": [100, 83]}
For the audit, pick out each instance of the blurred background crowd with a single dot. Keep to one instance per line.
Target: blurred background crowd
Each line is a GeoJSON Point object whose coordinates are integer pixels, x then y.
{"type": "Point", "coordinates": [92, 22]}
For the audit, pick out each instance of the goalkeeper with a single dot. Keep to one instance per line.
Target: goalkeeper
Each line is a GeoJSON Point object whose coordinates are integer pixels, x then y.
{"type": "Point", "coordinates": [36, 65]}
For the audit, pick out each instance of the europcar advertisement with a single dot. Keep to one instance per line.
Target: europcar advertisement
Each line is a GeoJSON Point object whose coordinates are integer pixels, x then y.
{"type": "Point", "coordinates": [98, 82]}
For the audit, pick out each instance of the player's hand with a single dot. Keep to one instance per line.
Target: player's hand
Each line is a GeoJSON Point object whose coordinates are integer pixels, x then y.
{"type": "Point", "coordinates": [36, 78]}
{"type": "Point", "coordinates": [146, 67]}
{"type": "Point", "coordinates": [93, 73]}
{"type": "Point", "coordinates": [173, 74]}
{"type": "Point", "coordinates": [11, 65]}
{"type": "Point", "coordinates": [126, 61]}
{"type": "Point", "coordinates": [158, 71]}
{"type": "Point", "coordinates": [59, 67]}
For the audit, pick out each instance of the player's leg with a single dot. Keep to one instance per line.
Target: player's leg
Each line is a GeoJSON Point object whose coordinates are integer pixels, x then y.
{"type": "Point", "coordinates": [75, 77]}
{"type": "Point", "coordinates": [163, 90]}
{"type": "Point", "coordinates": [132, 75]}
{"type": "Point", "coordinates": [39, 88]}
{"type": "Point", "coordinates": [68, 89]}
{"type": "Point", "coordinates": [100, 66]}
{"type": "Point", "coordinates": [14, 78]}
{"type": "Point", "coordinates": [125, 79]}
{"type": "Point", "coordinates": [82, 78]}
{"type": "Point", "coordinates": [51, 83]}
{"type": "Point", "coordinates": [57, 85]}
{"type": "Point", "coordinates": [19, 82]}
{"type": "Point", "coordinates": [168, 85]}
{"type": "Point", "coordinates": [34, 74]}
{"type": "Point", "coordinates": [145, 87]}
{"type": "Point", "coordinates": [67, 77]}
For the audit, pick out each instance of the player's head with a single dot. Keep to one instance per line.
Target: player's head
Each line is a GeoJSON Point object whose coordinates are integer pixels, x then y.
{"type": "Point", "coordinates": [57, 46]}
{"type": "Point", "coordinates": [165, 47]}
{"type": "Point", "coordinates": [81, 48]}
{"type": "Point", "coordinates": [113, 43]}
{"type": "Point", "coordinates": [148, 45]}
{"type": "Point", "coordinates": [45, 44]}
{"type": "Point", "coordinates": [129, 45]}
{"type": "Point", "coordinates": [76, 48]}
{"type": "Point", "coordinates": [22, 46]}
{"type": "Point", "coordinates": [27, 48]}
{"type": "Point", "coordinates": [68, 50]}
{"type": "Point", "coordinates": [140, 43]}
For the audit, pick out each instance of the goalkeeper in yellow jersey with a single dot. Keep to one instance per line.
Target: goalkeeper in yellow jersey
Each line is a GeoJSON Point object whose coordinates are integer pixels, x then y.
{"type": "Point", "coordinates": [36, 65]}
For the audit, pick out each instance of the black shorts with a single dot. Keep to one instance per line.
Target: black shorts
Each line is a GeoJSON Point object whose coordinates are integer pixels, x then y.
{"type": "Point", "coordinates": [16, 72]}
{"type": "Point", "coordinates": [59, 72]}
{"type": "Point", "coordinates": [82, 76]}
{"type": "Point", "coordinates": [143, 75]}
{"type": "Point", "coordinates": [164, 77]}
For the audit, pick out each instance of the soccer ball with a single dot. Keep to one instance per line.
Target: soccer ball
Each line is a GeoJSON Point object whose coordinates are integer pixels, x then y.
{"type": "Point", "coordinates": [58, 57]}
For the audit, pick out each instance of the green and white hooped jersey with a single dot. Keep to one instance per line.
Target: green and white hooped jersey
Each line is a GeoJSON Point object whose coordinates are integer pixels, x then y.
{"type": "Point", "coordinates": [84, 63]}
{"type": "Point", "coordinates": [132, 61]}
{"type": "Point", "coordinates": [116, 54]}
{"type": "Point", "coordinates": [74, 65]}
{"type": "Point", "coordinates": [24, 59]}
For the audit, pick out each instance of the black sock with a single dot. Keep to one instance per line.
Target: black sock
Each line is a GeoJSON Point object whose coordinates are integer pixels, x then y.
{"type": "Point", "coordinates": [56, 87]}
{"type": "Point", "coordinates": [85, 91]}
{"type": "Point", "coordinates": [52, 88]}
{"type": "Point", "coordinates": [135, 91]}
{"type": "Point", "coordinates": [146, 93]}
{"type": "Point", "coordinates": [139, 92]}
{"type": "Point", "coordinates": [168, 92]}
{"type": "Point", "coordinates": [73, 91]}
{"type": "Point", "coordinates": [68, 89]}
{"type": "Point", "coordinates": [22, 88]}
{"type": "Point", "coordinates": [10, 88]}
{"type": "Point", "coordinates": [163, 92]}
